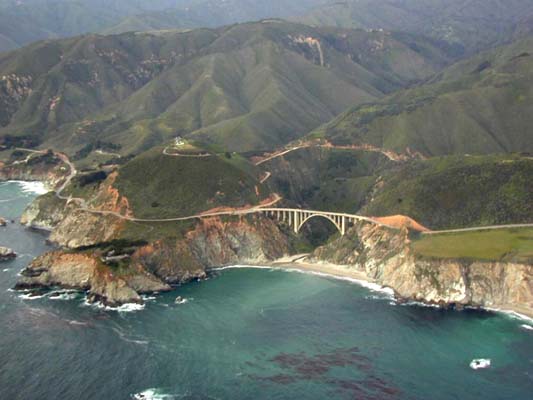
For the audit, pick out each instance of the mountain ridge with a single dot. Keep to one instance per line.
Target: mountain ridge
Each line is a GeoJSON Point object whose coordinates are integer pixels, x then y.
{"type": "Point", "coordinates": [246, 86]}
{"type": "Point", "coordinates": [478, 105]}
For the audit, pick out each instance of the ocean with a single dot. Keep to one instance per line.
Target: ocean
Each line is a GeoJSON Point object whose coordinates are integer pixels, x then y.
{"type": "Point", "coordinates": [248, 334]}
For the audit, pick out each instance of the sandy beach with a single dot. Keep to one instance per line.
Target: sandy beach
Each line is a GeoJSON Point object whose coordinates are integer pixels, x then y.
{"type": "Point", "coordinates": [300, 263]}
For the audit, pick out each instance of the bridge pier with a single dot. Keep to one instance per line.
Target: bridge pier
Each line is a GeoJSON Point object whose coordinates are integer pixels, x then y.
{"type": "Point", "coordinates": [296, 221]}
{"type": "Point", "coordinates": [296, 218]}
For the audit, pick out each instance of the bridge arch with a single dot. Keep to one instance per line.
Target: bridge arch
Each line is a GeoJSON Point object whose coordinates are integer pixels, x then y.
{"type": "Point", "coordinates": [325, 216]}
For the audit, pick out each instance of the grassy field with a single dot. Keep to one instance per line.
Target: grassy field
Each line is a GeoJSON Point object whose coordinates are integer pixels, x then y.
{"type": "Point", "coordinates": [502, 244]}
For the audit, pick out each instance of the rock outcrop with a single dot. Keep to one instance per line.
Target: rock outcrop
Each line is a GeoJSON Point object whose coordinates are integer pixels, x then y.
{"type": "Point", "coordinates": [45, 167]}
{"type": "Point", "coordinates": [85, 271]}
{"type": "Point", "coordinates": [7, 254]}
{"type": "Point", "coordinates": [3, 221]}
{"type": "Point", "coordinates": [45, 212]}
{"type": "Point", "coordinates": [385, 256]}
{"type": "Point", "coordinates": [155, 266]}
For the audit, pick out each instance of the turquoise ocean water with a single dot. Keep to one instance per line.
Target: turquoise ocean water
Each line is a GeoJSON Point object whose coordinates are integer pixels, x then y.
{"type": "Point", "coordinates": [249, 334]}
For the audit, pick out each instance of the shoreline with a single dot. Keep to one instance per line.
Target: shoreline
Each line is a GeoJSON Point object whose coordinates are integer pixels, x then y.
{"type": "Point", "coordinates": [342, 272]}
{"type": "Point", "coordinates": [298, 263]}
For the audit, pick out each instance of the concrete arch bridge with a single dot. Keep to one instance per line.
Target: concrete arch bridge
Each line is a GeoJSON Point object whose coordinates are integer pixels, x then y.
{"type": "Point", "coordinates": [296, 218]}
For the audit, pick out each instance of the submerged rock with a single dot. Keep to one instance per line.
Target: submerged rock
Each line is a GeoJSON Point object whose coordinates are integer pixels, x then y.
{"type": "Point", "coordinates": [7, 254]}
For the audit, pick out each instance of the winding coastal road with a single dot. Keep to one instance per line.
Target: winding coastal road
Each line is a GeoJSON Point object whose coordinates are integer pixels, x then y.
{"type": "Point", "coordinates": [479, 228]}
{"type": "Point", "coordinates": [244, 211]}
{"type": "Point", "coordinates": [387, 153]}
{"type": "Point", "coordinates": [236, 212]}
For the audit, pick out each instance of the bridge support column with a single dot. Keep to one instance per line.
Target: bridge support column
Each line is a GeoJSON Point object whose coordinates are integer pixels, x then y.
{"type": "Point", "coordinates": [296, 221]}
{"type": "Point", "coordinates": [343, 226]}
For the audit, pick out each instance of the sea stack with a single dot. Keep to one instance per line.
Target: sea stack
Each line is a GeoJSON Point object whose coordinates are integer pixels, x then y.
{"type": "Point", "coordinates": [6, 254]}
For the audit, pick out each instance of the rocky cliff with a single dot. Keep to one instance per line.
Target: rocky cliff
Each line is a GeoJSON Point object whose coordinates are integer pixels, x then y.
{"type": "Point", "coordinates": [121, 275]}
{"type": "Point", "coordinates": [45, 212]}
{"type": "Point", "coordinates": [385, 256]}
{"type": "Point", "coordinates": [43, 166]}
{"type": "Point", "coordinates": [85, 271]}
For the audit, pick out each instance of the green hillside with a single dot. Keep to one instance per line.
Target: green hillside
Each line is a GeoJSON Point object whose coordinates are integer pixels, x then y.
{"type": "Point", "coordinates": [327, 179]}
{"type": "Point", "coordinates": [161, 186]}
{"type": "Point", "coordinates": [468, 26]}
{"type": "Point", "coordinates": [456, 192]}
{"type": "Point", "coordinates": [210, 13]}
{"type": "Point", "coordinates": [246, 87]}
{"type": "Point", "coordinates": [23, 22]}
{"type": "Point", "coordinates": [480, 105]}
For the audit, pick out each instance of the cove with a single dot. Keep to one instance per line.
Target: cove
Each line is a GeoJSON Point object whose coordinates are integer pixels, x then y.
{"type": "Point", "coordinates": [248, 334]}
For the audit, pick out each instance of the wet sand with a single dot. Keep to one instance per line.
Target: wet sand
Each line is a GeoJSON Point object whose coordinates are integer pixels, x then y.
{"type": "Point", "coordinates": [300, 262]}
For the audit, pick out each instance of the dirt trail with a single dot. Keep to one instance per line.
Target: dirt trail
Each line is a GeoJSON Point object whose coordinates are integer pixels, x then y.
{"type": "Point", "coordinates": [394, 221]}
{"type": "Point", "coordinates": [391, 155]}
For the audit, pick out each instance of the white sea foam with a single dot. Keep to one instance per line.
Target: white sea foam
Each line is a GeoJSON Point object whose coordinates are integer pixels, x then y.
{"type": "Point", "coordinates": [32, 187]}
{"type": "Point", "coordinates": [12, 199]}
{"type": "Point", "coordinates": [128, 307]}
{"type": "Point", "coordinates": [527, 327]}
{"type": "Point", "coordinates": [30, 296]}
{"type": "Point", "coordinates": [240, 267]}
{"type": "Point", "coordinates": [480, 363]}
{"type": "Point", "coordinates": [151, 394]}
{"type": "Point", "coordinates": [78, 323]}
{"type": "Point", "coordinates": [512, 314]}
{"type": "Point", "coordinates": [420, 304]}
{"type": "Point", "coordinates": [63, 295]}
{"type": "Point", "coordinates": [5, 270]}
{"type": "Point", "coordinates": [369, 285]}
{"type": "Point", "coordinates": [124, 337]}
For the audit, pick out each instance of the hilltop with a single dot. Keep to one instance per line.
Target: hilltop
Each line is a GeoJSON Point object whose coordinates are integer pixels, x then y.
{"type": "Point", "coordinates": [168, 186]}
{"type": "Point", "coordinates": [439, 193]}
{"type": "Point", "coordinates": [246, 87]}
{"type": "Point", "coordinates": [481, 105]}
{"type": "Point", "coordinates": [467, 26]}
{"type": "Point", "coordinates": [23, 22]}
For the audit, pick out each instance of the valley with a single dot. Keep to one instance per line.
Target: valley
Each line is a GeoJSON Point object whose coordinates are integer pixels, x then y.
{"type": "Point", "coordinates": [374, 158]}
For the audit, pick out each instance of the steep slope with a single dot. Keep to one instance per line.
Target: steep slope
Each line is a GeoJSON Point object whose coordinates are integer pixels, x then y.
{"type": "Point", "coordinates": [164, 186]}
{"type": "Point", "coordinates": [211, 13]}
{"type": "Point", "coordinates": [248, 86]}
{"type": "Point", "coordinates": [481, 105]}
{"type": "Point", "coordinates": [439, 193]}
{"type": "Point", "coordinates": [23, 22]}
{"type": "Point", "coordinates": [467, 25]}
{"type": "Point", "coordinates": [458, 191]}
